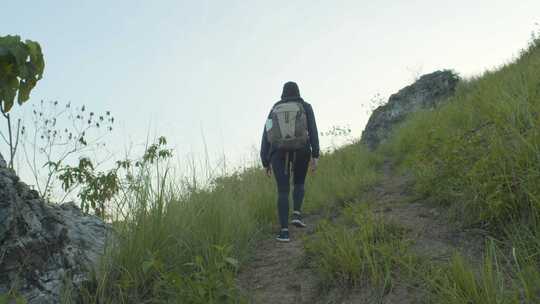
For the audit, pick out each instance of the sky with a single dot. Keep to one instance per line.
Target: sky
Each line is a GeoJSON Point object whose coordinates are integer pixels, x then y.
{"type": "Point", "coordinates": [204, 74]}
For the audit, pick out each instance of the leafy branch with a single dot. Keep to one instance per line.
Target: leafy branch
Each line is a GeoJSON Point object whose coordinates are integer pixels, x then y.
{"type": "Point", "coordinates": [56, 134]}
{"type": "Point", "coordinates": [21, 67]}
{"type": "Point", "coordinates": [98, 188]}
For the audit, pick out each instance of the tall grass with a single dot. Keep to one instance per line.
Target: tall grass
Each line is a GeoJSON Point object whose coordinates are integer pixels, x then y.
{"type": "Point", "coordinates": [459, 282]}
{"type": "Point", "coordinates": [182, 243]}
{"type": "Point", "coordinates": [361, 248]}
{"type": "Point", "coordinates": [498, 280]}
{"type": "Point", "coordinates": [480, 152]}
{"type": "Point", "coordinates": [343, 175]}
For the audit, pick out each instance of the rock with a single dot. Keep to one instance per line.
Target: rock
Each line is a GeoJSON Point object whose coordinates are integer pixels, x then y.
{"type": "Point", "coordinates": [428, 92]}
{"type": "Point", "coordinates": [45, 249]}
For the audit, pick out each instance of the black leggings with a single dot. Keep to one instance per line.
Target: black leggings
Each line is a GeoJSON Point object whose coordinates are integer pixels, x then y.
{"type": "Point", "coordinates": [282, 164]}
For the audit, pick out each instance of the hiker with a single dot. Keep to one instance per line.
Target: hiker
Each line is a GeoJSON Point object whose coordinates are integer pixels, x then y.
{"type": "Point", "coordinates": [289, 142]}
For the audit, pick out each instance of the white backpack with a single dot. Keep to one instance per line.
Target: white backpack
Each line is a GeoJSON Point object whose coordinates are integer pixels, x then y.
{"type": "Point", "coordinates": [287, 128]}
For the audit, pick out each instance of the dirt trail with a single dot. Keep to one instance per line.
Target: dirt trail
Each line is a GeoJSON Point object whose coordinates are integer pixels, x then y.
{"type": "Point", "coordinates": [279, 273]}
{"type": "Point", "coordinates": [432, 233]}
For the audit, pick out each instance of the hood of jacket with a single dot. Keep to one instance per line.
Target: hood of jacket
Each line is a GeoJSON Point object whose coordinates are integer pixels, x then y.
{"type": "Point", "coordinates": [290, 92]}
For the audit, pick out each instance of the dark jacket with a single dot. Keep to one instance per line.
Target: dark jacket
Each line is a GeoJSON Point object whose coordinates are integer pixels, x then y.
{"type": "Point", "coordinates": [292, 93]}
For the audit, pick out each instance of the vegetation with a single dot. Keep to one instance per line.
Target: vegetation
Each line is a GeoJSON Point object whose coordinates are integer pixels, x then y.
{"type": "Point", "coordinates": [21, 67]}
{"type": "Point", "coordinates": [359, 248]}
{"type": "Point", "coordinates": [500, 278]}
{"type": "Point", "coordinates": [96, 188]}
{"type": "Point", "coordinates": [182, 241]}
{"type": "Point", "coordinates": [480, 152]}
{"type": "Point", "coordinates": [477, 157]}
{"type": "Point", "coordinates": [58, 135]}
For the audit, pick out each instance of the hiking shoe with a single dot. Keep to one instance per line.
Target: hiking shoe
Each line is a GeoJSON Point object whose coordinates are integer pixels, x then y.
{"type": "Point", "coordinates": [297, 220]}
{"type": "Point", "coordinates": [283, 236]}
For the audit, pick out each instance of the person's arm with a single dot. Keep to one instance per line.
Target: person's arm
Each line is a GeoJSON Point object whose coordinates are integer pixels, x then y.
{"type": "Point", "coordinates": [265, 146]}
{"type": "Point", "coordinates": [265, 149]}
{"type": "Point", "coordinates": [313, 132]}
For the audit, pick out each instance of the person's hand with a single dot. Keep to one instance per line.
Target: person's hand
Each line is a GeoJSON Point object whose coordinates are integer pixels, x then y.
{"type": "Point", "coordinates": [268, 171]}
{"type": "Point", "coordinates": [314, 164]}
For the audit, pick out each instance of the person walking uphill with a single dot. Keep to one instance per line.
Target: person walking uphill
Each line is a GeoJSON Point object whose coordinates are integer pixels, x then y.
{"type": "Point", "coordinates": [290, 141]}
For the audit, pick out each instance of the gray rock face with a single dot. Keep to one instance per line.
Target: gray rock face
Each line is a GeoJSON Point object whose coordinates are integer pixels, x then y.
{"type": "Point", "coordinates": [44, 249]}
{"type": "Point", "coordinates": [427, 92]}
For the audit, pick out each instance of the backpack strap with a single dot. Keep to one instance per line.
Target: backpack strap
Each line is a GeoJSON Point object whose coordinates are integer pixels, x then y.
{"type": "Point", "coordinates": [293, 160]}
{"type": "Point", "coordinates": [289, 162]}
{"type": "Point", "coordinates": [287, 167]}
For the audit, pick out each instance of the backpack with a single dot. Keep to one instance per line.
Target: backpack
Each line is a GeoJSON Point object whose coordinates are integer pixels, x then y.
{"type": "Point", "coordinates": [287, 127]}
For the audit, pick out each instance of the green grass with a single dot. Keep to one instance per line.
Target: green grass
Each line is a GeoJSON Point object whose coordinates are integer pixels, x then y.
{"type": "Point", "coordinates": [343, 175]}
{"type": "Point", "coordinates": [460, 282]}
{"type": "Point", "coordinates": [360, 248]}
{"type": "Point", "coordinates": [480, 153]}
{"type": "Point", "coordinates": [479, 156]}
{"type": "Point", "coordinates": [181, 243]}
{"type": "Point", "coordinates": [498, 280]}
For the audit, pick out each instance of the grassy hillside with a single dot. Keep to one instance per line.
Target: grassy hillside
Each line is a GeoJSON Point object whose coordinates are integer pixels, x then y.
{"type": "Point", "coordinates": [188, 243]}
{"type": "Point", "coordinates": [480, 153]}
{"type": "Point", "coordinates": [478, 157]}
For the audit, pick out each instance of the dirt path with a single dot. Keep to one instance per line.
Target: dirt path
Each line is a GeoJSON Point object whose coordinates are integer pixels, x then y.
{"type": "Point", "coordinates": [432, 235]}
{"type": "Point", "coordinates": [429, 227]}
{"type": "Point", "coordinates": [279, 274]}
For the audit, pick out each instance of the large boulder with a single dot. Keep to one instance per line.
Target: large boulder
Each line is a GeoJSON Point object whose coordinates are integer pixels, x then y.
{"type": "Point", "coordinates": [45, 249]}
{"type": "Point", "coordinates": [426, 93]}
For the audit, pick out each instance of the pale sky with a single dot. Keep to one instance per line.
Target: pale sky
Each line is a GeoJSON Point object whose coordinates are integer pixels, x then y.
{"type": "Point", "coordinates": [182, 68]}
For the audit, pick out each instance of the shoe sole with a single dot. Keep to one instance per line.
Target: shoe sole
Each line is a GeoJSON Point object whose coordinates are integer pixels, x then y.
{"type": "Point", "coordinates": [283, 240]}
{"type": "Point", "coordinates": [298, 224]}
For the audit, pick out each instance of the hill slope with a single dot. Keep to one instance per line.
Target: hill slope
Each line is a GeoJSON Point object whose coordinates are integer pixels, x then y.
{"type": "Point", "coordinates": [445, 211]}
{"type": "Point", "coordinates": [454, 215]}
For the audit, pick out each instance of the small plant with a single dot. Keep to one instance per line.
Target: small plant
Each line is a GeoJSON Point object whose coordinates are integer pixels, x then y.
{"type": "Point", "coordinates": [8, 299]}
{"type": "Point", "coordinates": [460, 282]}
{"type": "Point", "coordinates": [12, 297]}
{"type": "Point", "coordinates": [363, 249]}
{"type": "Point", "coordinates": [21, 67]}
{"type": "Point", "coordinates": [374, 102]}
{"type": "Point", "coordinates": [96, 188]}
{"type": "Point", "coordinates": [339, 136]}
{"type": "Point", "coordinates": [58, 133]}
{"type": "Point", "coordinates": [210, 280]}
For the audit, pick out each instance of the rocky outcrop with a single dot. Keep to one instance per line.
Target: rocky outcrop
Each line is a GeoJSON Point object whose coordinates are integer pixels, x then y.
{"type": "Point", "coordinates": [45, 250]}
{"type": "Point", "coordinates": [426, 93]}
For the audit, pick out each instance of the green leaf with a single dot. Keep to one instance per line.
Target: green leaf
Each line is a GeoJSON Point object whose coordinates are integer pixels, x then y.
{"type": "Point", "coordinates": [147, 265]}
{"type": "Point", "coordinates": [19, 52]}
{"type": "Point", "coordinates": [232, 261]}
{"type": "Point", "coordinates": [36, 57]}
{"type": "Point", "coordinates": [7, 97]}
{"type": "Point", "coordinates": [9, 40]}
{"type": "Point", "coordinates": [21, 66]}
{"type": "Point", "coordinates": [24, 92]}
